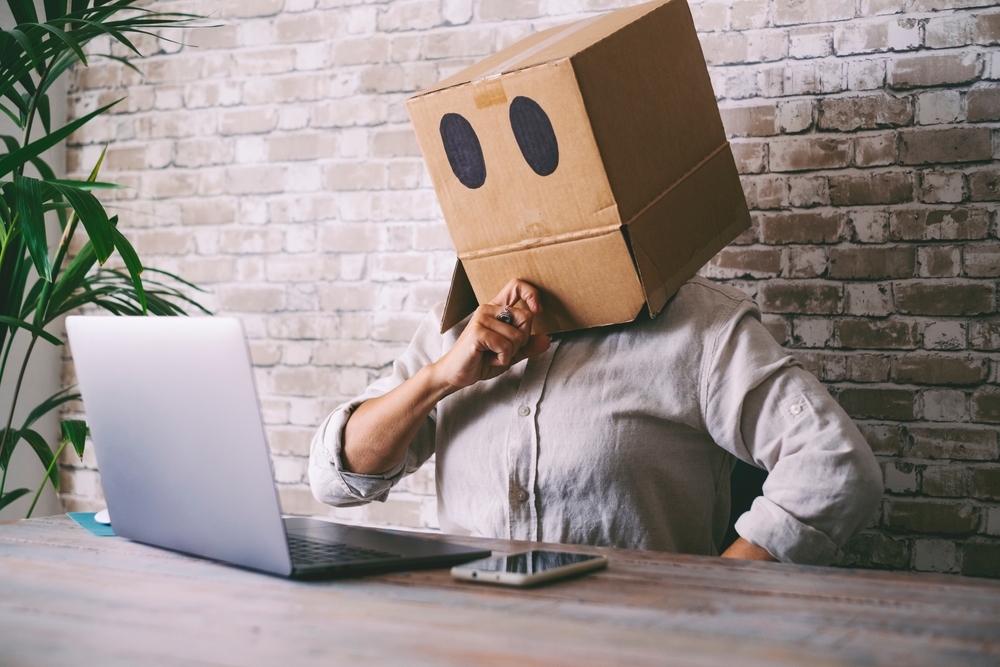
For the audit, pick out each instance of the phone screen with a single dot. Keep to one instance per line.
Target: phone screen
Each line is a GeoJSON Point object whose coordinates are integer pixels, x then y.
{"type": "Point", "coordinates": [531, 562]}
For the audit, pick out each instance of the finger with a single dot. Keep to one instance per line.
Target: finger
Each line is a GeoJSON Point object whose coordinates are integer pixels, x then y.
{"type": "Point", "coordinates": [502, 347]}
{"type": "Point", "coordinates": [518, 290]}
{"type": "Point", "coordinates": [536, 345]}
{"type": "Point", "coordinates": [517, 331]}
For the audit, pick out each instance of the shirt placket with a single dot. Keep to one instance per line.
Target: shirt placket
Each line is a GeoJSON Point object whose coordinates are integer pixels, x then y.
{"type": "Point", "coordinates": [522, 448]}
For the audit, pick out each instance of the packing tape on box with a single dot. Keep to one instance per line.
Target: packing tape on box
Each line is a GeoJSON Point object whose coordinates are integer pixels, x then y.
{"type": "Point", "coordinates": [537, 48]}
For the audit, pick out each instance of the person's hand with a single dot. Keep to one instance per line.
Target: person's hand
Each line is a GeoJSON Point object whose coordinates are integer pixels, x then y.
{"type": "Point", "coordinates": [488, 347]}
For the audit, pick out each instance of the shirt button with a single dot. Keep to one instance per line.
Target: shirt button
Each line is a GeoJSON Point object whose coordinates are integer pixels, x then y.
{"type": "Point", "coordinates": [795, 409]}
{"type": "Point", "coordinates": [524, 411]}
{"type": "Point", "coordinates": [522, 495]}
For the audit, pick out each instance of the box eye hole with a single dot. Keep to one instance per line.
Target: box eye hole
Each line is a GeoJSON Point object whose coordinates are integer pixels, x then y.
{"type": "Point", "coordinates": [465, 154]}
{"type": "Point", "coordinates": [534, 134]}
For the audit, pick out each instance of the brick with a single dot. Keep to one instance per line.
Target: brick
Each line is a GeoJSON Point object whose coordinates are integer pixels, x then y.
{"type": "Point", "coordinates": [796, 297]}
{"type": "Point", "coordinates": [796, 115]}
{"type": "Point", "coordinates": [901, 477]}
{"type": "Point", "coordinates": [987, 30]}
{"type": "Point", "coordinates": [984, 334]}
{"type": "Point", "coordinates": [208, 211]}
{"type": "Point", "coordinates": [944, 405]}
{"type": "Point", "coordinates": [938, 224]}
{"type": "Point", "coordinates": [931, 518]}
{"type": "Point", "coordinates": [750, 156]}
{"type": "Point", "coordinates": [875, 550]}
{"type": "Point", "coordinates": [765, 191]}
{"type": "Point", "coordinates": [798, 227]}
{"type": "Point", "coordinates": [934, 298]}
{"type": "Point", "coordinates": [858, 37]}
{"type": "Point", "coordinates": [871, 263]}
{"type": "Point", "coordinates": [884, 439]}
{"type": "Point", "coordinates": [941, 186]}
{"type": "Point", "coordinates": [806, 191]}
{"type": "Point", "coordinates": [981, 559]}
{"type": "Point", "coordinates": [750, 121]}
{"type": "Point", "coordinates": [982, 260]}
{"type": "Point", "coordinates": [744, 14]}
{"type": "Point", "coordinates": [865, 403]}
{"type": "Point", "coordinates": [246, 298]}
{"type": "Point", "coordinates": [962, 144]}
{"type": "Point", "coordinates": [984, 483]}
{"type": "Point", "coordinates": [953, 442]}
{"type": "Point", "coordinates": [817, 332]}
{"type": "Point", "coordinates": [986, 405]}
{"type": "Point", "coordinates": [247, 121]}
{"type": "Point", "coordinates": [867, 368]}
{"type": "Point", "coordinates": [867, 334]}
{"type": "Point", "coordinates": [300, 146]}
{"type": "Point", "coordinates": [935, 556]}
{"type": "Point", "coordinates": [808, 153]}
{"type": "Point", "coordinates": [806, 262]}
{"type": "Point", "coordinates": [865, 112]}
{"type": "Point", "coordinates": [939, 261]}
{"type": "Point", "coordinates": [791, 12]}
{"type": "Point", "coordinates": [982, 104]}
{"type": "Point", "coordinates": [984, 185]}
{"type": "Point", "coordinates": [949, 31]}
{"type": "Point", "coordinates": [867, 189]}
{"type": "Point", "coordinates": [875, 151]}
{"type": "Point", "coordinates": [742, 262]}
{"type": "Point", "coordinates": [724, 49]}
{"type": "Point", "coordinates": [871, 299]}
{"type": "Point", "coordinates": [945, 335]}
{"type": "Point", "coordinates": [869, 226]}
{"type": "Point", "coordinates": [939, 106]}
{"type": "Point", "coordinates": [945, 481]}
{"type": "Point", "coordinates": [347, 297]}
{"type": "Point", "coordinates": [938, 370]}
{"type": "Point", "coordinates": [810, 42]}
{"type": "Point", "coordinates": [935, 70]}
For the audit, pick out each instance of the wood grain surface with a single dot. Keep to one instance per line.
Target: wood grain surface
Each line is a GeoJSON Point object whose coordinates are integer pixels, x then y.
{"type": "Point", "coordinates": [70, 598]}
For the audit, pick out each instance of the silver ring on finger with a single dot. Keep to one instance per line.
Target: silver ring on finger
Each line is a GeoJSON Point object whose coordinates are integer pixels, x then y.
{"type": "Point", "coordinates": [505, 316]}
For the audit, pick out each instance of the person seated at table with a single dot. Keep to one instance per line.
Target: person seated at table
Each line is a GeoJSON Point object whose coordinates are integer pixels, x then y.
{"type": "Point", "coordinates": [621, 436]}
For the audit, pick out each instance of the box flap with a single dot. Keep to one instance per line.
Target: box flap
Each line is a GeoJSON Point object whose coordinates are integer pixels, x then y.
{"type": "Point", "coordinates": [687, 225]}
{"type": "Point", "coordinates": [461, 299]}
{"type": "Point", "coordinates": [548, 45]}
{"type": "Point", "coordinates": [588, 282]}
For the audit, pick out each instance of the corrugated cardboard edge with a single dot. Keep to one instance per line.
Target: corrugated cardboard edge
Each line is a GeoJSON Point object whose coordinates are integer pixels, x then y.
{"type": "Point", "coordinates": [461, 298]}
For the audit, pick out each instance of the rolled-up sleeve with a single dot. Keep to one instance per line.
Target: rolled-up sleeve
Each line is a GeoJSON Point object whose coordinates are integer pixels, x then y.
{"type": "Point", "coordinates": [824, 483]}
{"type": "Point", "coordinates": [329, 481]}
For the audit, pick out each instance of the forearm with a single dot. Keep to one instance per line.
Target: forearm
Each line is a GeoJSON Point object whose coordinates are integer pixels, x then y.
{"type": "Point", "coordinates": [744, 550]}
{"type": "Point", "coordinates": [381, 429]}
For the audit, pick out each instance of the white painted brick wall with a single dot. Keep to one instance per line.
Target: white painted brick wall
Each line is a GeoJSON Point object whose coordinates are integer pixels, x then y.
{"type": "Point", "coordinates": [271, 160]}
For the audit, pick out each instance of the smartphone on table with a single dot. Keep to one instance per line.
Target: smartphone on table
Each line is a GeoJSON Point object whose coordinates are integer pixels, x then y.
{"type": "Point", "coordinates": [528, 569]}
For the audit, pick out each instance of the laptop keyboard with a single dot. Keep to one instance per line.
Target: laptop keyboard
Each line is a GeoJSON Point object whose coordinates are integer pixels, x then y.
{"type": "Point", "coordinates": [309, 552]}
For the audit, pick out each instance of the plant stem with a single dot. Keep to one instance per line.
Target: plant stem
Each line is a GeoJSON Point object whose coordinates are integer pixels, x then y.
{"type": "Point", "coordinates": [42, 307]}
{"type": "Point", "coordinates": [13, 400]}
{"type": "Point", "coordinates": [48, 471]}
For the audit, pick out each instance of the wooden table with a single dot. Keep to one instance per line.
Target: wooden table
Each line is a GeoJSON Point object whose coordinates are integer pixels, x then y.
{"type": "Point", "coordinates": [69, 598]}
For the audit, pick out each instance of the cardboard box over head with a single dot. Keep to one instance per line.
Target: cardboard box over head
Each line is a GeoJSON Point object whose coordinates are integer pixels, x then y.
{"type": "Point", "coordinates": [589, 160]}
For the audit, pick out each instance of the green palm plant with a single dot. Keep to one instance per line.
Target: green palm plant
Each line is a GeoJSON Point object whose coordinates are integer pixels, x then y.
{"type": "Point", "coordinates": [33, 55]}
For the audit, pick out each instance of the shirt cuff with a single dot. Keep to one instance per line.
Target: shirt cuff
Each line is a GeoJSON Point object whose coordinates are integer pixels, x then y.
{"type": "Point", "coordinates": [334, 485]}
{"type": "Point", "coordinates": [786, 538]}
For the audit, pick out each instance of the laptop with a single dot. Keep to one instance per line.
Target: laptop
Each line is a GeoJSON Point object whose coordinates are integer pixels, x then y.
{"type": "Point", "coordinates": [176, 426]}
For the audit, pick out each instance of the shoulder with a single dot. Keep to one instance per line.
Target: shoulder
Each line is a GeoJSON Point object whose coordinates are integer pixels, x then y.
{"type": "Point", "coordinates": [707, 305]}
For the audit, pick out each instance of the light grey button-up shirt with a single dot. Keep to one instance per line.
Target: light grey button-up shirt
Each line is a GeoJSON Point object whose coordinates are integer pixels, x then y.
{"type": "Point", "coordinates": [625, 436]}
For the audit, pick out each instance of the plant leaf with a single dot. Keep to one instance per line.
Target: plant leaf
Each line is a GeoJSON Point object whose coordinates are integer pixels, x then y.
{"type": "Point", "coordinates": [86, 185]}
{"type": "Point", "coordinates": [54, 9]}
{"type": "Point", "coordinates": [77, 5]}
{"type": "Point", "coordinates": [94, 219]}
{"type": "Point", "coordinates": [29, 210]}
{"type": "Point", "coordinates": [11, 161]}
{"type": "Point", "coordinates": [12, 116]}
{"type": "Point", "coordinates": [72, 278]}
{"type": "Point", "coordinates": [76, 431]}
{"type": "Point", "coordinates": [11, 496]}
{"type": "Point", "coordinates": [44, 113]}
{"type": "Point", "coordinates": [23, 11]}
{"type": "Point", "coordinates": [38, 331]}
{"type": "Point", "coordinates": [66, 39]}
{"type": "Point", "coordinates": [43, 452]}
{"type": "Point", "coordinates": [132, 263]}
{"type": "Point", "coordinates": [50, 403]}
{"type": "Point", "coordinates": [26, 44]}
